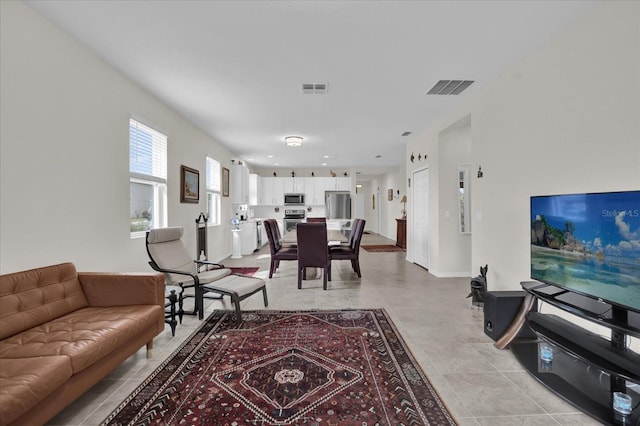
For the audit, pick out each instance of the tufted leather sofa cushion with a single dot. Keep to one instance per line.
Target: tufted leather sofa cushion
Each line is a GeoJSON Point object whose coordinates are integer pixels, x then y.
{"type": "Point", "coordinates": [85, 336]}
{"type": "Point", "coordinates": [25, 382]}
{"type": "Point", "coordinates": [31, 298]}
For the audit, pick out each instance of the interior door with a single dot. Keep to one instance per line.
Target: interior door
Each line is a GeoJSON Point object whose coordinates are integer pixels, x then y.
{"type": "Point", "coordinates": [420, 218]}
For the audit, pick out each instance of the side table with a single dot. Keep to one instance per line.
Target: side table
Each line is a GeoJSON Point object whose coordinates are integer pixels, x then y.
{"type": "Point", "coordinates": [401, 234]}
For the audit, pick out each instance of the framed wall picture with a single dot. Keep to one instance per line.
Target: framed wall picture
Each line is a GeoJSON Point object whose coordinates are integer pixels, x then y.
{"type": "Point", "coordinates": [189, 185]}
{"type": "Point", "coordinates": [390, 195]}
{"type": "Point", "coordinates": [225, 182]}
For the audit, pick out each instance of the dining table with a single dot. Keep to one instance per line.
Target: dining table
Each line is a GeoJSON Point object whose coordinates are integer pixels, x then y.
{"type": "Point", "coordinates": [335, 237]}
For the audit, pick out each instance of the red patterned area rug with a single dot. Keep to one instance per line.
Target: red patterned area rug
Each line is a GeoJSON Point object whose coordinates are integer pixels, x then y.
{"type": "Point", "coordinates": [330, 367]}
{"type": "Point", "coordinates": [381, 248]}
{"type": "Point", "coordinates": [245, 270]}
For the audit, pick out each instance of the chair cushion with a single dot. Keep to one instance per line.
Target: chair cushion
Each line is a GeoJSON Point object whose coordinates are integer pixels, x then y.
{"type": "Point", "coordinates": [206, 277]}
{"type": "Point", "coordinates": [24, 382]}
{"type": "Point", "coordinates": [240, 284]}
{"type": "Point", "coordinates": [286, 253]}
{"type": "Point", "coordinates": [341, 250]}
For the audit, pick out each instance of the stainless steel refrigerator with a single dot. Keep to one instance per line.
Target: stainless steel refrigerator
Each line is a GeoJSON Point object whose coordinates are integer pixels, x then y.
{"type": "Point", "coordinates": [337, 204]}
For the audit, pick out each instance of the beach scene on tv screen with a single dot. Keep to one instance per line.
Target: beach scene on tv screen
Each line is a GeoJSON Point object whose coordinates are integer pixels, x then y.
{"type": "Point", "coordinates": [589, 243]}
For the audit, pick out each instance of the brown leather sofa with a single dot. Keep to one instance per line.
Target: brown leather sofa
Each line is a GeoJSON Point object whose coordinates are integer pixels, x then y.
{"type": "Point", "coordinates": [62, 331]}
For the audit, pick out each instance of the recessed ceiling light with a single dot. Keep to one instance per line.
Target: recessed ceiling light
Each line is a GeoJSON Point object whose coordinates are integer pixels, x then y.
{"type": "Point", "coordinates": [325, 156]}
{"type": "Point", "coordinates": [276, 164]}
{"type": "Point", "coordinates": [293, 141]}
{"type": "Point", "coordinates": [269, 156]}
{"type": "Point", "coordinates": [324, 164]}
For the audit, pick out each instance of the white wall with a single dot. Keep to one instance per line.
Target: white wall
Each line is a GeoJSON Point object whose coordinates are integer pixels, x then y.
{"type": "Point", "coordinates": [64, 141]}
{"type": "Point", "coordinates": [454, 150]}
{"type": "Point", "coordinates": [565, 119]}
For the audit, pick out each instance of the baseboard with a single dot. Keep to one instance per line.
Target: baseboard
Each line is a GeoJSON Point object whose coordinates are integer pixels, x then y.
{"type": "Point", "coordinates": [439, 274]}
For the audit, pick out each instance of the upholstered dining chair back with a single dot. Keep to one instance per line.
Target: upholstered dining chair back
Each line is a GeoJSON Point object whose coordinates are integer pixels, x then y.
{"type": "Point", "coordinates": [357, 234]}
{"type": "Point", "coordinates": [313, 250]}
{"type": "Point", "coordinates": [273, 235]}
{"type": "Point", "coordinates": [352, 251]}
{"type": "Point", "coordinates": [278, 251]}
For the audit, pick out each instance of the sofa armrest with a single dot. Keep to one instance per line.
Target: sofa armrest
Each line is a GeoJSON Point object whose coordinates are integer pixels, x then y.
{"type": "Point", "coordinates": [120, 289]}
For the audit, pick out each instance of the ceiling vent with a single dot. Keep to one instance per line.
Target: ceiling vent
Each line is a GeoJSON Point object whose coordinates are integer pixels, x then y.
{"type": "Point", "coordinates": [449, 87]}
{"type": "Point", "coordinates": [315, 88]}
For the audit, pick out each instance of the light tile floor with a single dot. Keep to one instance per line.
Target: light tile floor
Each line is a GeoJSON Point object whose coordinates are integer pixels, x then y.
{"type": "Point", "coordinates": [478, 383]}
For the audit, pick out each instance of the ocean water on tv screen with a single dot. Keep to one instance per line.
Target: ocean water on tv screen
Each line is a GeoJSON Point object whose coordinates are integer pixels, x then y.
{"type": "Point", "coordinates": [618, 282]}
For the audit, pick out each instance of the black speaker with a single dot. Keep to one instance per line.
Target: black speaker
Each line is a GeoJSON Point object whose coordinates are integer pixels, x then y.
{"type": "Point", "coordinates": [500, 308]}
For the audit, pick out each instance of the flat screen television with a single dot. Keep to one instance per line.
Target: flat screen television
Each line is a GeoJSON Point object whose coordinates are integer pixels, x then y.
{"type": "Point", "coordinates": [589, 244]}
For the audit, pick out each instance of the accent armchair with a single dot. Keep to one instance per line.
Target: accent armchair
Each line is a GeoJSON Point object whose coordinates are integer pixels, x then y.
{"type": "Point", "coordinates": [168, 254]}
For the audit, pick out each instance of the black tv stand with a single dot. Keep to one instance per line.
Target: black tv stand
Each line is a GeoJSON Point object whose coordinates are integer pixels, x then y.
{"type": "Point", "coordinates": [586, 368]}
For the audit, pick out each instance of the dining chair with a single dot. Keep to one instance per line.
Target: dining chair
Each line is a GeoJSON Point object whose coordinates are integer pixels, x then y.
{"type": "Point", "coordinates": [352, 250]}
{"type": "Point", "coordinates": [168, 254]}
{"type": "Point", "coordinates": [278, 250]}
{"type": "Point", "coordinates": [313, 250]}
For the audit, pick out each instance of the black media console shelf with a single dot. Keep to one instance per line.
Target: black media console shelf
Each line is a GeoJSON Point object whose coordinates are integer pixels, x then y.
{"type": "Point", "coordinates": [586, 368]}
{"type": "Point", "coordinates": [586, 345]}
{"type": "Point", "coordinates": [584, 307]}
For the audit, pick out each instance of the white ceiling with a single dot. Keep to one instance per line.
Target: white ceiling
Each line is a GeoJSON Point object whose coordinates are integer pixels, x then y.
{"type": "Point", "coordinates": [235, 68]}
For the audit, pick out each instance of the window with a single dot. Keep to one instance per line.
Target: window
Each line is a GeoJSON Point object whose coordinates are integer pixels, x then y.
{"type": "Point", "coordinates": [213, 191]}
{"type": "Point", "coordinates": [148, 179]}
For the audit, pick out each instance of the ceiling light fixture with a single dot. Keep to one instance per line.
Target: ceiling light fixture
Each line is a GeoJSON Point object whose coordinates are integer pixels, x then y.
{"type": "Point", "coordinates": [293, 141]}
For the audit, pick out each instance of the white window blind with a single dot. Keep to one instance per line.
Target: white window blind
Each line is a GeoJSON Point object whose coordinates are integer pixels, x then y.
{"type": "Point", "coordinates": [147, 152]}
{"type": "Point", "coordinates": [148, 179]}
{"type": "Point", "coordinates": [213, 175]}
{"type": "Point", "coordinates": [213, 182]}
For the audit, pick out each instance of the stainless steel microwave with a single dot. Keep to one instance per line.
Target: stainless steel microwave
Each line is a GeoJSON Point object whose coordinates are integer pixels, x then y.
{"type": "Point", "coordinates": [294, 199]}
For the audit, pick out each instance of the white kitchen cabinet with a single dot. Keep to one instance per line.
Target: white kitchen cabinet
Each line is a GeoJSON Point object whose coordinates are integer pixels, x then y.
{"type": "Point", "coordinates": [254, 189]}
{"type": "Point", "coordinates": [338, 184]}
{"type": "Point", "coordinates": [343, 184]}
{"type": "Point", "coordinates": [293, 185]}
{"type": "Point", "coordinates": [248, 237]}
{"type": "Point", "coordinates": [239, 184]}
{"type": "Point", "coordinates": [271, 191]}
{"type": "Point", "coordinates": [314, 190]}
